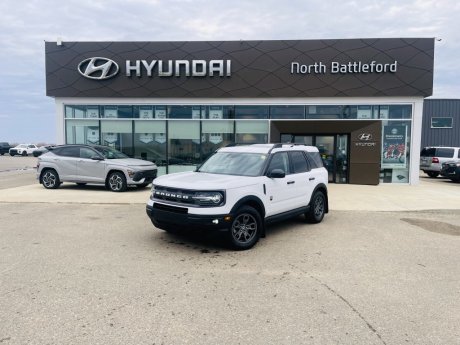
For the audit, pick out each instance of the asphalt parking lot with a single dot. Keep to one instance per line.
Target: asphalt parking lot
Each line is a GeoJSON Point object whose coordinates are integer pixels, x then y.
{"type": "Point", "coordinates": [99, 273]}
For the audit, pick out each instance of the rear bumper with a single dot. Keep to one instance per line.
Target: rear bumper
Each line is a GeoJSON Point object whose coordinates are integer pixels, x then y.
{"type": "Point", "coordinates": [166, 217]}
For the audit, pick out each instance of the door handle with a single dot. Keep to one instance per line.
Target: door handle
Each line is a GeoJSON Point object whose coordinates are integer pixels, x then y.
{"type": "Point", "coordinates": [311, 179]}
{"type": "Point", "coordinates": [291, 182]}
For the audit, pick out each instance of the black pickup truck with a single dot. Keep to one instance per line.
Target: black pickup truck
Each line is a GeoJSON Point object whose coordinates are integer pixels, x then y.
{"type": "Point", "coordinates": [4, 148]}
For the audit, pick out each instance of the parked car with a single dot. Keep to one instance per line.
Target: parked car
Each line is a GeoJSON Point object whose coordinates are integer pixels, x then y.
{"type": "Point", "coordinates": [451, 170]}
{"type": "Point", "coordinates": [41, 150]}
{"type": "Point", "coordinates": [23, 150]}
{"type": "Point", "coordinates": [4, 148]}
{"type": "Point", "coordinates": [240, 189]}
{"type": "Point", "coordinates": [84, 164]}
{"type": "Point", "coordinates": [431, 159]}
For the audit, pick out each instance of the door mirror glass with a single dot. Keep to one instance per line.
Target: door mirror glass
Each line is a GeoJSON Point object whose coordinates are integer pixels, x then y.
{"type": "Point", "coordinates": [277, 173]}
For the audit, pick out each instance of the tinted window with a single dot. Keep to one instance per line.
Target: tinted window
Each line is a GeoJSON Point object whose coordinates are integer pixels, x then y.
{"type": "Point", "coordinates": [428, 152]}
{"type": "Point", "coordinates": [458, 153]}
{"type": "Point", "coordinates": [279, 161]}
{"type": "Point", "coordinates": [315, 160]}
{"type": "Point", "coordinates": [87, 153]}
{"type": "Point", "coordinates": [71, 151]}
{"type": "Point", "coordinates": [445, 153]}
{"type": "Point", "coordinates": [299, 163]}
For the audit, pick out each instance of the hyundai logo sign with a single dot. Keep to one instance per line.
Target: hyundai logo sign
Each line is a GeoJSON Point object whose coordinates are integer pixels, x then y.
{"type": "Point", "coordinates": [365, 136]}
{"type": "Point", "coordinates": [98, 68]}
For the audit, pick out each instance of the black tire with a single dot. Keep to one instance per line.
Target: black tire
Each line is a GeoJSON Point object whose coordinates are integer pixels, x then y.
{"type": "Point", "coordinates": [81, 184]}
{"type": "Point", "coordinates": [432, 174]}
{"type": "Point", "coordinates": [24, 153]}
{"type": "Point", "coordinates": [12, 154]}
{"type": "Point", "coordinates": [116, 182]}
{"type": "Point", "coordinates": [245, 229]}
{"type": "Point", "coordinates": [50, 179]}
{"type": "Point", "coordinates": [317, 208]}
{"type": "Point", "coordinates": [142, 185]}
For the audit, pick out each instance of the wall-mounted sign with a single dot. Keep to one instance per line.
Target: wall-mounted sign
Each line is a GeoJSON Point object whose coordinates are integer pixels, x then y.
{"type": "Point", "coordinates": [110, 138]}
{"type": "Point", "coordinates": [352, 67]}
{"type": "Point", "coordinates": [242, 69]}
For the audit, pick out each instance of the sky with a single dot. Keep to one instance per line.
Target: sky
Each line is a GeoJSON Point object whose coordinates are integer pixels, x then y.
{"type": "Point", "coordinates": [28, 115]}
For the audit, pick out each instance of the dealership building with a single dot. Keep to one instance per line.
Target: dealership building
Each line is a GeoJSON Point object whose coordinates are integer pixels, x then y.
{"type": "Point", "coordinates": [360, 101]}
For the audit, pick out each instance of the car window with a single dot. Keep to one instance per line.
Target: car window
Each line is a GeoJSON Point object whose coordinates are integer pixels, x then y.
{"type": "Point", "coordinates": [279, 161]}
{"type": "Point", "coordinates": [87, 153]}
{"type": "Point", "coordinates": [110, 153]}
{"type": "Point", "coordinates": [70, 151]}
{"type": "Point", "coordinates": [22, 146]}
{"type": "Point", "coordinates": [315, 160]}
{"type": "Point", "coordinates": [428, 152]}
{"type": "Point", "coordinates": [458, 155]}
{"type": "Point", "coordinates": [444, 152]}
{"type": "Point", "coordinates": [32, 146]}
{"type": "Point", "coordinates": [299, 162]}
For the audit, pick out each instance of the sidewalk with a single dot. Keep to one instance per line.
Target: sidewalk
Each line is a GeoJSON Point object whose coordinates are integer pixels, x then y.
{"type": "Point", "coordinates": [428, 195]}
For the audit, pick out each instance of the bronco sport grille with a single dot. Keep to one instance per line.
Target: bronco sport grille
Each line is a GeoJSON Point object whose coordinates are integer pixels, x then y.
{"type": "Point", "coordinates": [175, 195]}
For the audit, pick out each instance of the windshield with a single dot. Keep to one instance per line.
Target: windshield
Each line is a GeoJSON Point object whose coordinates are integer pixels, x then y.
{"type": "Point", "coordinates": [234, 163]}
{"type": "Point", "coordinates": [110, 153]}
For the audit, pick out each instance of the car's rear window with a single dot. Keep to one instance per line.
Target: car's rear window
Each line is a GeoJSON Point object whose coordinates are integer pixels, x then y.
{"type": "Point", "coordinates": [428, 152]}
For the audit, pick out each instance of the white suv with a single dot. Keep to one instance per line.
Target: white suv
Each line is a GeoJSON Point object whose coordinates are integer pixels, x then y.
{"type": "Point", "coordinates": [240, 189]}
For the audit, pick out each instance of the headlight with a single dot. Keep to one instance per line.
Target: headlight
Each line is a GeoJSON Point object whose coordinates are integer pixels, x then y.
{"type": "Point", "coordinates": [208, 198]}
{"type": "Point", "coordinates": [152, 192]}
{"type": "Point", "coordinates": [131, 173]}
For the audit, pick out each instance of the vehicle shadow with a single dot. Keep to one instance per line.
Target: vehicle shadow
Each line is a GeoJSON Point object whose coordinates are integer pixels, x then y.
{"type": "Point", "coordinates": [99, 188]}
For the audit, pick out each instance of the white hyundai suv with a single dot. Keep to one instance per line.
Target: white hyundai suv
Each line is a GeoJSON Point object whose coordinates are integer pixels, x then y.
{"type": "Point", "coordinates": [93, 164]}
{"type": "Point", "coordinates": [240, 189]}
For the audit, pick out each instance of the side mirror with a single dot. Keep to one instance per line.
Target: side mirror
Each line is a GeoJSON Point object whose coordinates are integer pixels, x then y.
{"type": "Point", "coordinates": [277, 173]}
{"type": "Point", "coordinates": [97, 158]}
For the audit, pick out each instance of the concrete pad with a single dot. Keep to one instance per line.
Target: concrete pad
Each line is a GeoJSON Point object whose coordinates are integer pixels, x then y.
{"type": "Point", "coordinates": [442, 195]}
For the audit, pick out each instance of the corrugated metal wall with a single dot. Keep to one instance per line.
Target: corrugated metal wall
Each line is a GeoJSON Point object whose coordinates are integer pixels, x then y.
{"type": "Point", "coordinates": [441, 136]}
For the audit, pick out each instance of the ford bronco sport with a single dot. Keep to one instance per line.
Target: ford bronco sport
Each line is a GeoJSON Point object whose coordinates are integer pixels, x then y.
{"type": "Point", "coordinates": [240, 189]}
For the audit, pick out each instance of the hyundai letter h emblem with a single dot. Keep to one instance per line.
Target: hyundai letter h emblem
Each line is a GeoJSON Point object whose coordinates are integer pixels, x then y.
{"type": "Point", "coordinates": [98, 68]}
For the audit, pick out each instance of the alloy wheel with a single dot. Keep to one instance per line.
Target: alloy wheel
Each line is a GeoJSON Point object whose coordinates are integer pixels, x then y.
{"type": "Point", "coordinates": [244, 228]}
{"type": "Point", "coordinates": [49, 179]}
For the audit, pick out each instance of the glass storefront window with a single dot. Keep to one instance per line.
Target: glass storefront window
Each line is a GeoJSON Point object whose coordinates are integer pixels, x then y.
{"type": "Point", "coordinates": [118, 135]}
{"type": "Point", "coordinates": [186, 112]}
{"type": "Point", "coordinates": [395, 155]}
{"type": "Point", "coordinates": [251, 132]}
{"type": "Point", "coordinates": [183, 145]}
{"type": "Point", "coordinates": [82, 132]}
{"type": "Point", "coordinates": [287, 112]}
{"type": "Point", "coordinates": [117, 111]}
{"type": "Point", "coordinates": [150, 142]}
{"type": "Point", "coordinates": [215, 112]}
{"type": "Point", "coordinates": [324, 112]}
{"type": "Point", "coordinates": [400, 112]}
{"type": "Point", "coordinates": [251, 112]}
{"type": "Point", "coordinates": [215, 134]}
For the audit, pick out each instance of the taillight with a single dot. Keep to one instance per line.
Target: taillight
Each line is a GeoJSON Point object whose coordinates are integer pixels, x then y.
{"type": "Point", "coordinates": [435, 160]}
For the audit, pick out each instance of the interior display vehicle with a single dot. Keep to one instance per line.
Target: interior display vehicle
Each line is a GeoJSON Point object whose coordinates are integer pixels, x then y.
{"type": "Point", "coordinates": [241, 189]}
{"type": "Point", "coordinates": [84, 164]}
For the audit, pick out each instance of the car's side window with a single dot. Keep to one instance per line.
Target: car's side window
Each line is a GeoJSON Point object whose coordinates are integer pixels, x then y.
{"type": "Point", "coordinates": [69, 151]}
{"type": "Point", "coordinates": [87, 153]}
{"type": "Point", "coordinates": [444, 152]}
{"type": "Point", "coordinates": [298, 162]}
{"type": "Point", "coordinates": [279, 160]}
{"type": "Point", "coordinates": [315, 160]}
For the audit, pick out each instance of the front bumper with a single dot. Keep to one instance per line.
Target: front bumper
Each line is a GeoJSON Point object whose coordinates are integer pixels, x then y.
{"type": "Point", "coordinates": [171, 217]}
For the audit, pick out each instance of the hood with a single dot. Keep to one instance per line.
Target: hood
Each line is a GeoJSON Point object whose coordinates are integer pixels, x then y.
{"type": "Point", "coordinates": [131, 162]}
{"type": "Point", "coordinates": [204, 181]}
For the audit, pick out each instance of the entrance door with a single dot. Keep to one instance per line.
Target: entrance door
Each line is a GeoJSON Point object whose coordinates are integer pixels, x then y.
{"type": "Point", "coordinates": [326, 147]}
{"type": "Point", "coordinates": [332, 148]}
